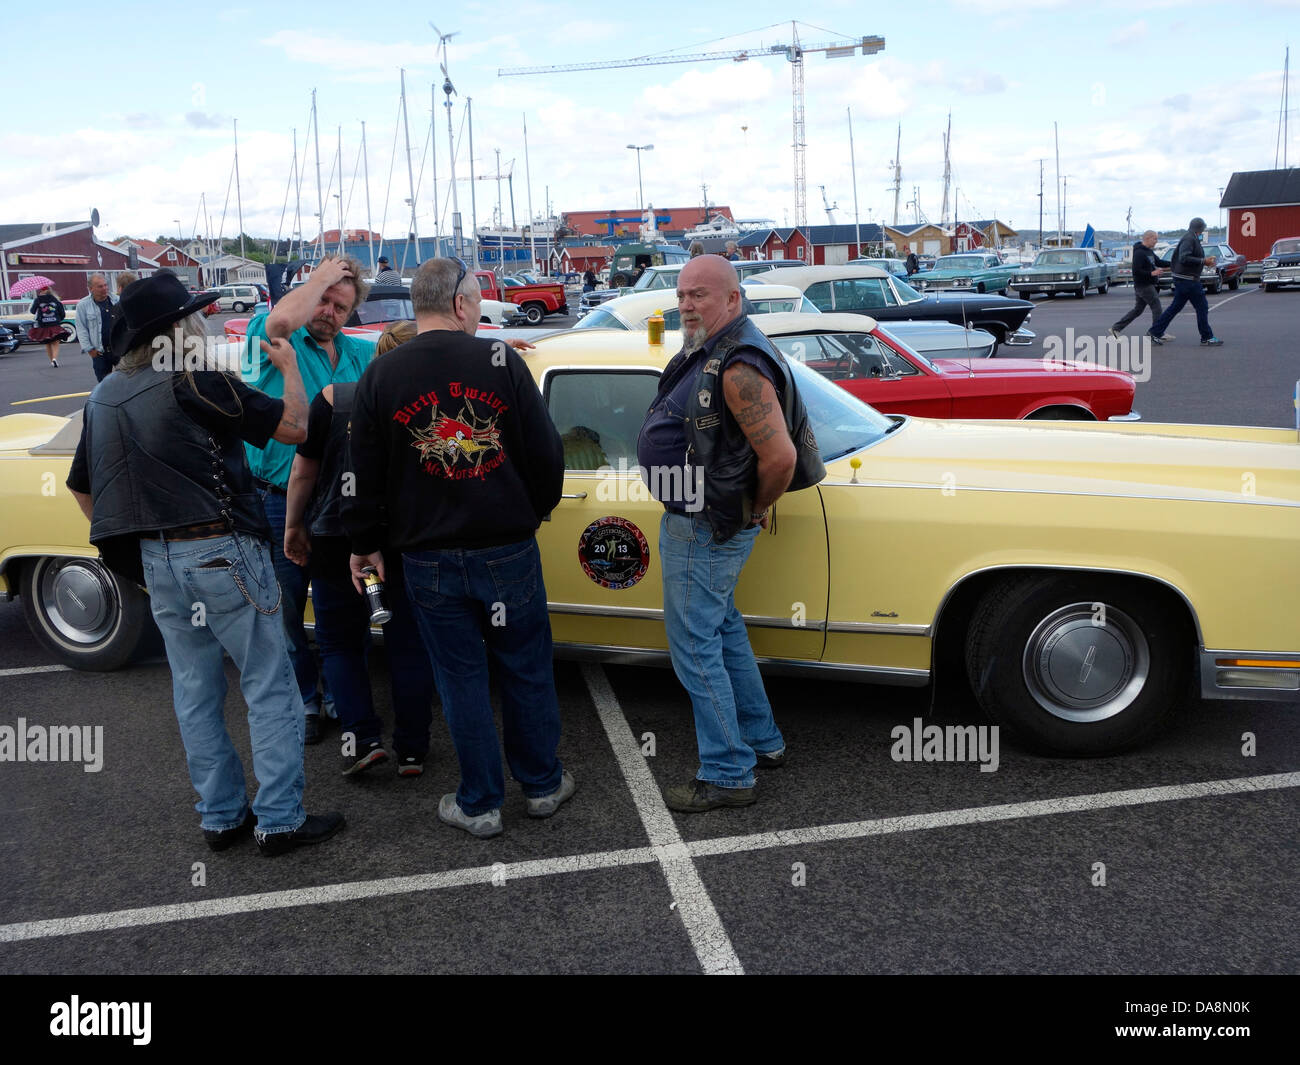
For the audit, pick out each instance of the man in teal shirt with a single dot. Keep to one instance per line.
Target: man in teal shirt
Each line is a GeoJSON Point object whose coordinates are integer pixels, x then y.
{"type": "Point", "coordinates": [311, 318]}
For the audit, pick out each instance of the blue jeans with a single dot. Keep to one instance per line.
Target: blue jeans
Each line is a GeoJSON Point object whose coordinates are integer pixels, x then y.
{"type": "Point", "coordinates": [293, 580]}
{"type": "Point", "coordinates": [1186, 292]}
{"type": "Point", "coordinates": [240, 601]}
{"type": "Point", "coordinates": [102, 365]}
{"type": "Point", "coordinates": [710, 648]}
{"type": "Point", "coordinates": [342, 634]}
{"type": "Point", "coordinates": [476, 607]}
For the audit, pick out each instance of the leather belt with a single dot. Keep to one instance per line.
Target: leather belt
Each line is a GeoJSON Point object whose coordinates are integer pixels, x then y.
{"type": "Point", "coordinates": [261, 482]}
{"type": "Point", "coordinates": [202, 531]}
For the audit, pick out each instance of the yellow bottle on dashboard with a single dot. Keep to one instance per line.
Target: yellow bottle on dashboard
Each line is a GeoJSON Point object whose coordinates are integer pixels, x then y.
{"type": "Point", "coordinates": [655, 327]}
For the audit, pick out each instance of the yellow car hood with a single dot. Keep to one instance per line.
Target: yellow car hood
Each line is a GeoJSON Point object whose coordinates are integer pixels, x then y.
{"type": "Point", "coordinates": [1228, 464]}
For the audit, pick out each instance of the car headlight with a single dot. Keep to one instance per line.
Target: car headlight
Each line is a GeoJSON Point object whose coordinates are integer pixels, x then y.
{"type": "Point", "coordinates": [1269, 263]}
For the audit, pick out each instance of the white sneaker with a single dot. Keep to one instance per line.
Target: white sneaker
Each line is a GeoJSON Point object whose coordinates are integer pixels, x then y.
{"type": "Point", "coordinates": [545, 805]}
{"type": "Point", "coordinates": [482, 825]}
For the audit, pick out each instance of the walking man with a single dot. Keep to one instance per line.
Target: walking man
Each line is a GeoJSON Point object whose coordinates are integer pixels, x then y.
{"type": "Point", "coordinates": [94, 318]}
{"type": "Point", "coordinates": [454, 451]}
{"type": "Point", "coordinates": [1188, 261]}
{"type": "Point", "coordinates": [191, 529]}
{"type": "Point", "coordinates": [1147, 266]}
{"type": "Point", "coordinates": [718, 401]}
{"type": "Point", "coordinates": [310, 317]}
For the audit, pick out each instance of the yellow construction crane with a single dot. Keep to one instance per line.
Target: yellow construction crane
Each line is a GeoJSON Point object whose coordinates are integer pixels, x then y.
{"type": "Point", "coordinates": [793, 52]}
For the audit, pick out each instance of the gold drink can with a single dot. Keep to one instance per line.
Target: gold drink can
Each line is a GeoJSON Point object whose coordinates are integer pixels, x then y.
{"type": "Point", "coordinates": [655, 327]}
{"type": "Point", "coordinates": [379, 613]}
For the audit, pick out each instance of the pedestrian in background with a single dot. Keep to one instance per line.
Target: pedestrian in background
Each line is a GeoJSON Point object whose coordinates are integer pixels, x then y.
{"type": "Point", "coordinates": [457, 462]}
{"type": "Point", "coordinates": [94, 322]}
{"type": "Point", "coordinates": [314, 537]}
{"type": "Point", "coordinates": [1147, 266]}
{"type": "Point", "coordinates": [386, 275]}
{"type": "Point", "coordinates": [1187, 262]}
{"type": "Point", "coordinates": [123, 279]}
{"type": "Point", "coordinates": [912, 264]}
{"type": "Point", "coordinates": [697, 248]}
{"type": "Point", "coordinates": [733, 252]}
{"type": "Point", "coordinates": [47, 322]}
{"type": "Point", "coordinates": [589, 280]}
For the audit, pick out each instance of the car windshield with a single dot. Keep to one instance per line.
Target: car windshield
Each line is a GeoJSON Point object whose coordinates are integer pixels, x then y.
{"type": "Point", "coordinates": [1060, 258]}
{"type": "Point", "coordinates": [842, 423]}
{"type": "Point", "coordinates": [906, 293]}
{"type": "Point", "coordinates": [1287, 247]}
{"type": "Point", "coordinates": [655, 279]}
{"type": "Point", "coordinates": [960, 262]}
{"type": "Point", "coordinates": [386, 310]}
{"type": "Point", "coordinates": [599, 319]}
{"type": "Point", "coordinates": [904, 346]}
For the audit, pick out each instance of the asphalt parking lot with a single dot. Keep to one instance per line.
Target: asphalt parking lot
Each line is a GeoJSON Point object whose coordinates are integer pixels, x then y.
{"type": "Point", "coordinates": [1178, 858]}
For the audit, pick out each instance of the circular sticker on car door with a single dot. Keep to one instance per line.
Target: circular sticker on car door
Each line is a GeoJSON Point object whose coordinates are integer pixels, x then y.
{"type": "Point", "coordinates": [614, 553]}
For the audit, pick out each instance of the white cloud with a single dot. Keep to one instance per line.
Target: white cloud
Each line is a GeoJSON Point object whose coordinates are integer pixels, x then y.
{"type": "Point", "coordinates": [1130, 34]}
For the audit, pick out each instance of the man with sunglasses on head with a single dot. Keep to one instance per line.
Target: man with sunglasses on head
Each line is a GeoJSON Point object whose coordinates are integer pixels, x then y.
{"type": "Point", "coordinates": [457, 462]}
{"type": "Point", "coordinates": [310, 317]}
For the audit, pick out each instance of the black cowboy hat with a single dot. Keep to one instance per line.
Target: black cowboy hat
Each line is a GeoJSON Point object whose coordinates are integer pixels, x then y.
{"type": "Point", "coordinates": [149, 306]}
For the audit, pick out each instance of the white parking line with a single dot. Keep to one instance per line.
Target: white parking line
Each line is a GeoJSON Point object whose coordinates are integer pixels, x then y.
{"type": "Point", "coordinates": [703, 925]}
{"type": "Point", "coordinates": [665, 855]}
{"type": "Point", "coordinates": [34, 669]}
{"type": "Point", "coordinates": [1216, 306]}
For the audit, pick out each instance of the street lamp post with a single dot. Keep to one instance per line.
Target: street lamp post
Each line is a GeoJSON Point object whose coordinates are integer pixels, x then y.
{"type": "Point", "coordinates": [640, 194]}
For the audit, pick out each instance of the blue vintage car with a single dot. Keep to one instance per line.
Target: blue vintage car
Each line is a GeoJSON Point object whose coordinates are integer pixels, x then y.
{"type": "Point", "coordinates": [1074, 270]}
{"type": "Point", "coordinates": [966, 272]}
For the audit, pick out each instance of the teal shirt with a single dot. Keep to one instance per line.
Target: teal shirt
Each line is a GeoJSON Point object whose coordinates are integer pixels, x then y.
{"type": "Point", "coordinates": [272, 463]}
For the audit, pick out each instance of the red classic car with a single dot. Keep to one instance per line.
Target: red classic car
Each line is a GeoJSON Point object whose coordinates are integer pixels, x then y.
{"type": "Point", "coordinates": [866, 360]}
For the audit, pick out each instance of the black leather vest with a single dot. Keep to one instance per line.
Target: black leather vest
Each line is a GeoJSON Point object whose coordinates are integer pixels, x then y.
{"type": "Point", "coordinates": [324, 518]}
{"type": "Point", "coordinates": [716, 442]}
{"type": "Point", "coordinates": [152, 467]}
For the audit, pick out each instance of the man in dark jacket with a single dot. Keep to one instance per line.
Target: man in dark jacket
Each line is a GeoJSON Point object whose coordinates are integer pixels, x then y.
{"type": "Point", "coordinates": [911, 264]}
{"type": "Point", "coordinates": [718, 422]}
{"type": "Point", "coordinates": [457, 461]}
{"type": "Point", "coordinates": [1147, 266]}
{"type": "Point", "coordinates": [192, 529]}
{"type": "Point", "coordinates": [1188, 261]}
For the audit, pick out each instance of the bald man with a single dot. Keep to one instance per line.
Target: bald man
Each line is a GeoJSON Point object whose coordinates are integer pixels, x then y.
{"type": "Point", "coordinates": [718, 402]}
{"type": "Point", "coordinates": [1147, 266]}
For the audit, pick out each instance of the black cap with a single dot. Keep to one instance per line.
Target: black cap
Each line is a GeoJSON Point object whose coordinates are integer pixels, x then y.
{"type": "Point", "coordinates": [149, 306]}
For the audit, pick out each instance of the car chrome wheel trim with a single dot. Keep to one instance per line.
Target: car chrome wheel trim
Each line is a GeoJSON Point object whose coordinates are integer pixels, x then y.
{"type": "Point", "coordinates": [78, 599]}
{"type": "Point", "coordinates": [1086, 662]}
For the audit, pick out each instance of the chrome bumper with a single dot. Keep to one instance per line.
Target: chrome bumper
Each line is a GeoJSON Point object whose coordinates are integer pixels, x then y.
{"type": "Point", "coordinates": [1131, 416]}
{"type": "Point", "coordinates": [1021, 337]}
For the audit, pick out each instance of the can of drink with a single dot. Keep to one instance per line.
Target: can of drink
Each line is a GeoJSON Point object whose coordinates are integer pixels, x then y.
{"type": "Point", "coordinates": [655, 327]}
{"type": "Point", "coordinates": [375, 596]}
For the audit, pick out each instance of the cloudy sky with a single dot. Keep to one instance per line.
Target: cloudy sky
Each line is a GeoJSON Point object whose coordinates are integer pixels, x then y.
{"type": "Point", "coordinates": [130, 110]}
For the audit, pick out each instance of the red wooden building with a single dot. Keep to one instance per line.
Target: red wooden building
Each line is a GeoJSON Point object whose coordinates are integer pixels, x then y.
{"type": "Point", "coordinates": [65, 252]}
{"type": "Point", "coordinates": [1263, 206]}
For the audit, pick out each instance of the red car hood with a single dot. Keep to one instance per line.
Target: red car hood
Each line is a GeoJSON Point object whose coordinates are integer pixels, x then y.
{"type": "Point", "coordinates": [1016, 367]}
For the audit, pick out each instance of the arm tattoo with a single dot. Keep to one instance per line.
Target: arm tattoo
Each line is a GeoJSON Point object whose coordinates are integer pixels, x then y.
{"type": "Point", "coordinates": [749, 382]}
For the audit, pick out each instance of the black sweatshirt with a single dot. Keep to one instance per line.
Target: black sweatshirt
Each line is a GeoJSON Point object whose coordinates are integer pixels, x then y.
{"type": "Point", "coordinates": [452, 448]}
{"type": "Point", "coordinates": [1144, 263]}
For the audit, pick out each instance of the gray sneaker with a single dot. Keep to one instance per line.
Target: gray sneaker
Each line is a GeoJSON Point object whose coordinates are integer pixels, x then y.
{"type": "Point", "coordinates": [483, 825]}
{"type": "Point", "coordinates": [545, 805]}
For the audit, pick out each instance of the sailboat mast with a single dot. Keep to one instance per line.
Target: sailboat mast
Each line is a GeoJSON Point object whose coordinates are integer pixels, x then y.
{"type": "Point", "coordinates": [239, 201]}
{"type": "Point", "coordinates": [853, 167]}
{"type": "Point", "coordinates": [340, 152]}
{"type": "Point", "coordinates": [528, 177]}
{"type": "Point", "coordinates": [365, 161]}
{"type": "Point", "coordinates": [414, 232]}
{"type": "Point", "coordinates": [320, 194]}
{"type": "Point", "coordinates": [898, 171]}
{"type": "Point", "coordinates": [1059, 223]}
{"type": "Point", "coordinates": [473, 195]}
{"type": "Point", "coordinates": [947, 174]}
{"type": "Point", "coordinates": [433, 157]}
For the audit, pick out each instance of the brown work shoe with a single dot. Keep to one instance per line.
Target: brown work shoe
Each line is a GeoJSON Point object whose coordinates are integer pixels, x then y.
{"type": "Point", "coordinates": [699, 796]}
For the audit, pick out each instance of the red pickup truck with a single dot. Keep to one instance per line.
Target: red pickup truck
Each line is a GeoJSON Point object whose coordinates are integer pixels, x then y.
{"type": "Point", "coordinates": [536, 301]}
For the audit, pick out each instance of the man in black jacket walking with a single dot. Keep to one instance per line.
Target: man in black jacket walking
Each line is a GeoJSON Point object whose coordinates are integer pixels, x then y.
{"type": "Point", "coordinates": [1147, 266]}
{"type": "Point", "coordinates": [457, 461]}
{"type": "Point", "coordinates": [1188, 261]}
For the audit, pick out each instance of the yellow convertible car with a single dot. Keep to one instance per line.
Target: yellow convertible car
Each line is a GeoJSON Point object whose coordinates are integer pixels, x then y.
{"type": "Point", "coordinates": [1078, 578]}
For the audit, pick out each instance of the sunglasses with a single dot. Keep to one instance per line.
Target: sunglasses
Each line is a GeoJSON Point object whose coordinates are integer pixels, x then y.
{"type": "Point", "coordinates": [460, 276]}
